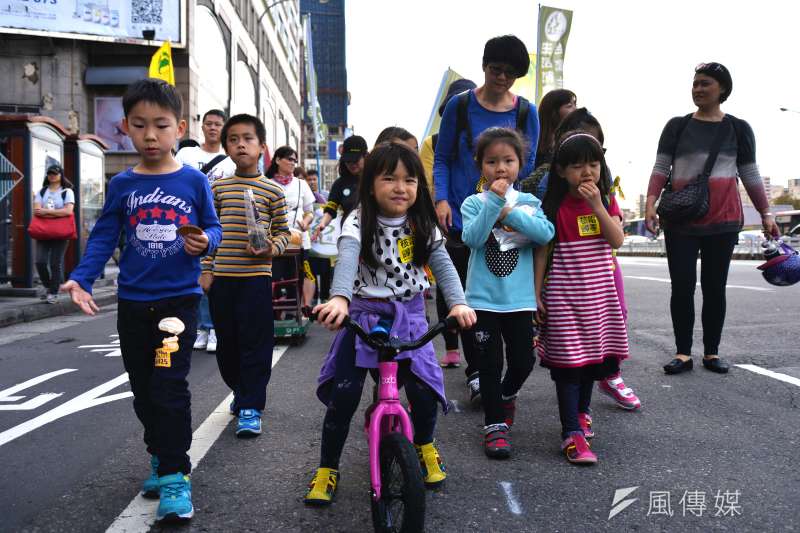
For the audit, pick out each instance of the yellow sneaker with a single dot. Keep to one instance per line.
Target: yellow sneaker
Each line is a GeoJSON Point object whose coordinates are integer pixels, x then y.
{"type": "Point", "coordinates": [432, 468]}
{"type": "Point", "coordinates": [322, 487]}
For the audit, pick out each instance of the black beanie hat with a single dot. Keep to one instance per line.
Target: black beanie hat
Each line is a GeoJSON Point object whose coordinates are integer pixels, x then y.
{"type": "Point", "coordinates": [507, 49]}
{"type": "Point", "coordinates": [719, 73]}
{"type": "Point", "coordinates": [458, 86]}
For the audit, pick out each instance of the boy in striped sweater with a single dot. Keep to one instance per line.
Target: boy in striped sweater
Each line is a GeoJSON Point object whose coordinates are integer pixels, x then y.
{"type": "Point", "coordinates": [238, 278]}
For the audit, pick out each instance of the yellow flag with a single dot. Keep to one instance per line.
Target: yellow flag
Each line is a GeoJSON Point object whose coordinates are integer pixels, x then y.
{"type": "Point", "coordinates": [161, 64]}
{"type": "Point", "coordinates": [526, 85]}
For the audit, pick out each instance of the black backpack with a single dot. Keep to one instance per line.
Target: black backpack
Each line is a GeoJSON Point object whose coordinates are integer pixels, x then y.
{"type": "Point", "coordinates": [523, 108]}
{"type": "Point", "coordinates": [63, 194]}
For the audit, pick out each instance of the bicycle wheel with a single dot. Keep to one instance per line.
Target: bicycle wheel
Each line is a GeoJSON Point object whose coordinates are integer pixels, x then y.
{"type": "Point", "coordinates": [401, 508]}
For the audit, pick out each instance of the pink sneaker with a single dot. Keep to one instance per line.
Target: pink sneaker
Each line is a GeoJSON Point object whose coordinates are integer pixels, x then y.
{"type": "Point", "coordinates": [585, 421]}
{"type": "Point", "coordinates": [577, 450]}
{"type": "Point", "coordinates": [451, 359]}
{"type": "Point", "coordinates": [616, 389]}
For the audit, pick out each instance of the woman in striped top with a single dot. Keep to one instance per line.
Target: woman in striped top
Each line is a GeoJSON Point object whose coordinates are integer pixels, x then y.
{"type": "Point", "coordinates": [682, 152]}
{"type": "Point", "coordinates": [583, 336]}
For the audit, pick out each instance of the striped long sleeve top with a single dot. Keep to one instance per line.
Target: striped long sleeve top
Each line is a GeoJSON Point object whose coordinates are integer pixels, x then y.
{"type": "Point", "coordinates": [231, 258]}
{"type": "Point", "coordinates": [736, 158]}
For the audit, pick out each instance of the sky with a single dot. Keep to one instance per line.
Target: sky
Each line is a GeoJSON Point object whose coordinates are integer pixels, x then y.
{"type": "Point", "coordinates": [630, 62]}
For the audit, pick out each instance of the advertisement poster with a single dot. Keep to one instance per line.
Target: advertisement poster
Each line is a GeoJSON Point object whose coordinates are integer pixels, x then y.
{"type": "Point", "coordinates": [108, 117]}
{"type": "Point", "coordinates": [87, 19]}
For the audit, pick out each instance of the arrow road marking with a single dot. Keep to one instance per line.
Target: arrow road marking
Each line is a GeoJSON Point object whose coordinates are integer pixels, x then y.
{"type": "Point", "coordinates": [7, 395]}
{"type": "Point", "coordinates": [90, 398]}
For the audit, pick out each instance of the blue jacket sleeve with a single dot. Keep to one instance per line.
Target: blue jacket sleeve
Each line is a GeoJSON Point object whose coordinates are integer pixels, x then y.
{"type": "Point", "coordinates": [208, 220]}
{"type": "Point", "coordinates": [102, 241]}
{"type": "Point", "coordinates": [478, 218]}
{"type": "Point", "coordinates": [532, 134]}
{"type": "Point", "coordinates": [444, 154]}
{"type": "Point", "coordinates": [536, 227]}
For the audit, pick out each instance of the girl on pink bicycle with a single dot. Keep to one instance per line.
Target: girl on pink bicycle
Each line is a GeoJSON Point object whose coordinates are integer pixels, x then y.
{"type": "Point", "coordinates": [380, 275]}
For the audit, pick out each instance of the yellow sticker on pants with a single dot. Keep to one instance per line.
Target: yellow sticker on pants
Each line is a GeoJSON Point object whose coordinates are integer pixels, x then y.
{"type": "Point", "coordinates": [588, 225]}
{"type": "Point", "coordinates": [164, 352]}
{"type": "Point", "coordinates": [405, 248]}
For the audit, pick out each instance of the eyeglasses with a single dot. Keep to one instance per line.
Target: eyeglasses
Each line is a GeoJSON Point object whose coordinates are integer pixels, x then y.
{"type": "Point", "coordinates": [497, 70]}
{"type": "Point", "coordinates": [292, 159]}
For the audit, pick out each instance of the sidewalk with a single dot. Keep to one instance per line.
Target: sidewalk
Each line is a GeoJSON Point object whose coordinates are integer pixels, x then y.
{"type": "Point", "coordinates": [17, 309]}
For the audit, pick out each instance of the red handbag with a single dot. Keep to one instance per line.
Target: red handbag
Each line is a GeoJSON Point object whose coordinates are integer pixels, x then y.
{"type": "Point", "coordinates": [53, 229]}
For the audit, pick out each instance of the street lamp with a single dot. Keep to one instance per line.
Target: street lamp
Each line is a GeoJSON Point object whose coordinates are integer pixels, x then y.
{"type": "Point", "coordinates": [789, 110]}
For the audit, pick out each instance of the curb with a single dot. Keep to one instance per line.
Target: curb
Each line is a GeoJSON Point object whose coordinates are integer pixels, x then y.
{"type": "Point", "coordinates": [39, 310]}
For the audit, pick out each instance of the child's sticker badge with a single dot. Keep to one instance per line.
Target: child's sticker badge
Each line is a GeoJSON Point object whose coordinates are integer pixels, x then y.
{"type": "Point", "coordinates": [405, 247]}
{"type": "Point", "coordinates": [588, 225]}
{"type": "Point", "coordinates": [164, 352]}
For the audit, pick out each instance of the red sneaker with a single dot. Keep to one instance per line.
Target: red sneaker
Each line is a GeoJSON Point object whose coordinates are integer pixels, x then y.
{"type": "Point", "coordinates": [451, 359]}
{"type": "Point", "coordinates": [577, 450]}
{"type": "Point", "coordinates": [496, 443]}
{"type": "Point", "coordinates": [615, 388]}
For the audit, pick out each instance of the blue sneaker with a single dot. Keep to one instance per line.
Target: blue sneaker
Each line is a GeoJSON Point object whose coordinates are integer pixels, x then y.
{"type": "Point", "coordinates": [176, 498]}
{"type": "Point", "coordinates": [249, 423]}
{"type": "Point", "coordinates": [150, 485]}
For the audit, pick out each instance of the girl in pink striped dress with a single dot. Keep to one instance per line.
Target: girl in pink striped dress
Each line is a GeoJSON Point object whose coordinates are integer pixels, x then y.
{"type": "Point", "coordinates": [583, 336]}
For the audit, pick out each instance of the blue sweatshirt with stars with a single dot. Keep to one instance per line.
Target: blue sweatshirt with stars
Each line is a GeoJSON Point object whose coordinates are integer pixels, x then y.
{"type": "Point", "coordinates": [148, 209]}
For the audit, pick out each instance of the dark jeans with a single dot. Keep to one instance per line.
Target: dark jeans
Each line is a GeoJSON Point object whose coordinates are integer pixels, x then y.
{"type": "Point", "coordinates": [241, 309]}
{"type": "Point", "coordinates": [573, 397]}
{"type": "Point", "coordinates": [490, 331]}
{"type": "Point", "coordinates": [51, 254]}
{"type": "Point", "coordinates": [459, 254]}
{"type": "Point", "coordinates": [348, 382]}
{"type": "Point", "coordinates": [716, 252]}
{"type": "Point", "coordinates": [161, 395]}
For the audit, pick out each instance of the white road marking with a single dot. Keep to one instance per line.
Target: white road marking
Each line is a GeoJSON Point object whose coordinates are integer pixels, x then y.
{"type": "Point", "coordinates": [769, 373]}
{"type": "Point", "coordinates": [667, 280]}
{"type": "Point", "coordinates": [140, 514]}
{"type": "Point", "coordinates": [6, 395]}
{"type": "Point", "coordinates": [454, 403]}
{"type": "Point", "coordinates": [90, 398]}
{"type": "Point", "coordinates": [513, 504]}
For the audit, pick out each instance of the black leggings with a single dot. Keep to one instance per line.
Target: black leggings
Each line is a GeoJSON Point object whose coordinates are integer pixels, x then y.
{"type": "Point", "coordinates": [716, 252]}
{"type": "Point", "coordinates": [573, 397]}
{"type": "Point", "coordinates": [491, 329]}
{"type": "Point", "coordinates": [348, 382]}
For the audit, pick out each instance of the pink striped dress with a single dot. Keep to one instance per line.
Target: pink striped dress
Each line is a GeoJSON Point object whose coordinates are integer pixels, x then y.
{"type": "Point", "coordinates": [585, 325]}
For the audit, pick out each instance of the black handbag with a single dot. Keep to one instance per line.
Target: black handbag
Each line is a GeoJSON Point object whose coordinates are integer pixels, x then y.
{"type": "Point", "coordinates": [692, 201]}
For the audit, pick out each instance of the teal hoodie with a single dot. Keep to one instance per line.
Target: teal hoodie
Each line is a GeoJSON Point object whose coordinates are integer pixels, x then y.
{"type": "Point", "coordinates": [502, 281]}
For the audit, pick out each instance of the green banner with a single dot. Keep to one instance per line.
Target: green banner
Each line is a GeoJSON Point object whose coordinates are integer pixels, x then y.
{"type": "Point", "coordinates": [551, 45]}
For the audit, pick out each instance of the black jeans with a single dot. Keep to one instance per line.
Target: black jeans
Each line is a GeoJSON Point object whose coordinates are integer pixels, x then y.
{"type": "Point", "coordinates": [459, 254]}
{"type": "Point", "coordinates": [241, 309]}
{"type": "Point", "coordinates": [51, 253]}
{"type": "Point", "coordinates": [573, 397]}
{"type": "Point", "coordinates": [716, 252]}
{"type": "Point", "coordinates": [348, 382]}
{"type": "Point", "coordinates": [161, 395]}
{"type": "Point", "coordinates": [489, 333]}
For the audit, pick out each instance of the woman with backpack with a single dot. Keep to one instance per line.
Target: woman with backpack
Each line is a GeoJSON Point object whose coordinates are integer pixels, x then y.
{"type": "Point", "coordinates": [54, 200]}
{"type": "Point", "coordinates": [455, 173]}
{"type": "Point", "coordinates": [702, 154]}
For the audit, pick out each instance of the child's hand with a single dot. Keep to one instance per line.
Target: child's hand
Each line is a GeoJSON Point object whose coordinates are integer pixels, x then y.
{"type": "Point", "coordinates": [465, 316]}
{"type": "Point", "coordinates": [541, 311]}
{"type": "Point", "coordinates": [264, 252]}
{"type": "Point", "coordinates": [80, 297]}
{"type": "Point", "coordinates": [588, 191]}
{"type": "Point", "coordinates": [499, 187]}
{"type": "Point", "coordinates": [206, 279]}
{"type": "Point", "coordinates": [332, 313]}
{"type": "Point", "coordinates": [195, 244]}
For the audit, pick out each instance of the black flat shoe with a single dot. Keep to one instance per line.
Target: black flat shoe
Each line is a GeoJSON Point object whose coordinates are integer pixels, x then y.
{"type": "Point", "coordinates": [676, 366]}
{"type": "Point", "coordinates": [716, 365]}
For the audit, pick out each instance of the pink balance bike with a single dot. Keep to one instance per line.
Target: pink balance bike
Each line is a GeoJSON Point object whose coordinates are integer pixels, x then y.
{"type": "Point", "coordinates": [398, 490]}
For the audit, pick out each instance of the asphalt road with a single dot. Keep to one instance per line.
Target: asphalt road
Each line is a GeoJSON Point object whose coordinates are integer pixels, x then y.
{"type": "Point", "coordinates": [721, 447]}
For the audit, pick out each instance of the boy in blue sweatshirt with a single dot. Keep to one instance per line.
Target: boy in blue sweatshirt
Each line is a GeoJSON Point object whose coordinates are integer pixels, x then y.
{"type": "Point", "coordinates": [158, 280]}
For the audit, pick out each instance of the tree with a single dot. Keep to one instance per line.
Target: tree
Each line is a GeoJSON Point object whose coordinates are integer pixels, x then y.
{"type": "Point", "coordinates": [787, 199]}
